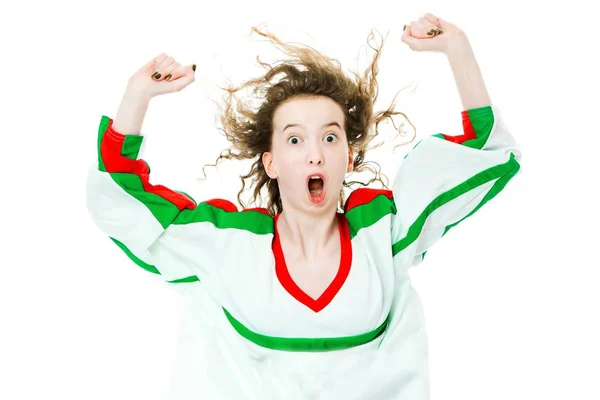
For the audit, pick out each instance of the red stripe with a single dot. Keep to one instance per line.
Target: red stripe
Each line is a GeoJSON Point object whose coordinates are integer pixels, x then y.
{"type": "Point", "coordinates": [225, 205]}
{"type": "Point", "coordinates": [259, 209]}
{"type": "Point", "coordinates": [114, 162]}
{"type": "Point", "coordinates": [334, 287]}
{"type": "Point", "coordinates": [469, 132]}
{"type": "Point", "coordinates": [364, 196]}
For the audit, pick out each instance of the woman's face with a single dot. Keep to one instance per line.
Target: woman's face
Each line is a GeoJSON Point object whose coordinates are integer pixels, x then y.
{"type": "Point", "coordinates": [309, 141]}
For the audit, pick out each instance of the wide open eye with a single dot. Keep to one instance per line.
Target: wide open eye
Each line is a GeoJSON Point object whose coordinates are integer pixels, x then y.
{"type": "Point", "coordinates": [333, 137]}
{"type": "Point", "coordinates": [293, 139]}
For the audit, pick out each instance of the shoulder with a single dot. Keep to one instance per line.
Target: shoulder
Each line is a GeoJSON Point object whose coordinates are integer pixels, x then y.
{"type": "Point", "coordinates": [366, 206]}
{"type": "Point", "coordinates": [223, 214]}
{"type": "Point", "coordinates": [367, 198]}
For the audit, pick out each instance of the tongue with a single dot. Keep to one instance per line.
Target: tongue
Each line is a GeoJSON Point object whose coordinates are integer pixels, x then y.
{"type": "Point", "coordinates": [315, 186]}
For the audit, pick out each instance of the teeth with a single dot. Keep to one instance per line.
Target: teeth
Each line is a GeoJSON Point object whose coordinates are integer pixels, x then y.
{"type": "Point", "coordinates": [315, 177]}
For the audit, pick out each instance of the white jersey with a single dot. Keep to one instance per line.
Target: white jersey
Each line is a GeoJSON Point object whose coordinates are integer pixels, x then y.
{"type": "Point", "coordinates": [248, 331]}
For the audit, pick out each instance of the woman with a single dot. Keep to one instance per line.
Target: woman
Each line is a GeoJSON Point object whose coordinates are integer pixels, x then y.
{"type": "Point", "coordinates": [309, 297]}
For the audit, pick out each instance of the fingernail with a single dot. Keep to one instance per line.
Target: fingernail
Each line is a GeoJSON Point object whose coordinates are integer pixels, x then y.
{"type": "Point", "coordinates": [194, 67]}
{"type": "Point", "coordinates": [430, 33]}
{"type": "Point", "coordinates": [156, 75]}
{"type": "Point", "coordinates": [404, 28]}
{"type": "Point", "coordinates": [168, 77]}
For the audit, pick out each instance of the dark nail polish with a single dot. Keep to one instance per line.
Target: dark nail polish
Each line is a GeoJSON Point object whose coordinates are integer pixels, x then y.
{"type": "Point", "coordinates": [168, 77]}
{"type": "Point", "coordinates": [404, 28]}
{"type": "Point", "coordinates": [194, 67]}
{"type": "Point", "coordinates": [156, 74]}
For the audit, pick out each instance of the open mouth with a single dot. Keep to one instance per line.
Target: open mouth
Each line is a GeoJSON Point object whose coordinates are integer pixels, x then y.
{"type": "Point", "coordinates": [316, 188]}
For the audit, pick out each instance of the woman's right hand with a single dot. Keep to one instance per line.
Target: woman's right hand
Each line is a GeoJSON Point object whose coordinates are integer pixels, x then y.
{"type": "Point", "coordinates": [160, 75]}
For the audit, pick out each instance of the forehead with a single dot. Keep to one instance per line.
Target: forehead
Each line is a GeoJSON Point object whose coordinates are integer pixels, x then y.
{"type": "Point", "coordinates": [311, 111]}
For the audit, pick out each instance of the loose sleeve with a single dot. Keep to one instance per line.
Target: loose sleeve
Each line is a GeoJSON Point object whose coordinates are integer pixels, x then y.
{"type": "Point", "coordinates": [445, 179]}
{"type": "Point", "coordinates": [162, 230]}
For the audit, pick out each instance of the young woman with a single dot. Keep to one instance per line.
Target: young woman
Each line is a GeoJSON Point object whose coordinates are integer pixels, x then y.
{"type": "Point", "coordinates": [310, 296]}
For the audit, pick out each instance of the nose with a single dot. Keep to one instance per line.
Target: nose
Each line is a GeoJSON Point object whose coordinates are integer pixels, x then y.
{"type": "Point", "coordinates": [314, 152]}
{"type": "Point", "coordinates": [315, 157]}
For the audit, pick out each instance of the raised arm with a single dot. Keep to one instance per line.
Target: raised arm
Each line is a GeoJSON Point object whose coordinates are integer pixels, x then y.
{"type": "Point", "coordinates": [467, 75]}
{"type": "Point", "coordinates": [160, 75]}
{"type": "Point", "coordinates": [162, 230]}
{"type": "Point", "coordinates": [431, 33]}
{"type": "Point", "coordinates": [447, 178]}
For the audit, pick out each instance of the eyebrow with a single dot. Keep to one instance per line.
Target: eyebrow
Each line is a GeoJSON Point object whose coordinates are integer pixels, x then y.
{"type": "Point", "coordinates": [324, 126]}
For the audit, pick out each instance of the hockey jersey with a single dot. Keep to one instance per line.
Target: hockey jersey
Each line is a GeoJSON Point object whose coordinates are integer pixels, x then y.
{"type": "Point", "coordinates": [248, 331]}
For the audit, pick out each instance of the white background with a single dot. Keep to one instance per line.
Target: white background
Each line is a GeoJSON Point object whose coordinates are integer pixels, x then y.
{"type": "Point", "coordinates": [511, 295]}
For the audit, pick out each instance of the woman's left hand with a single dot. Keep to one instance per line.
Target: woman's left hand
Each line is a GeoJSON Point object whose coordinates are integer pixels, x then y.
{"type": "Point", "coordinates": [430, 33]}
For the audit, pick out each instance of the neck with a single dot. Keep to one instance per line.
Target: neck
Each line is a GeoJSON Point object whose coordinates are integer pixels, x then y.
{"type": "Point", "coordinates": [309, 232]}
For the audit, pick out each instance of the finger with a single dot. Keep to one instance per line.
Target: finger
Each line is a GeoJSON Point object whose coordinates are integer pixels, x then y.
{"type": "Point", "coordinates": [415, 43]}
{"type": "Point", "coordinates": [175, 71]}
{"type": "Point", "coordinates": [162, 69]}
{"type": "Point", "coordinates": [150, 66]}
{"type": "Point", "coordinates": [433, 20]}
{"type": "Point", "coordinates": [166, 62]}
{"type": "Point", "coordinates": [421, 23]}
{"type": "Point", "coordinates": [419, 30]}
{"type": "Point", "coordinates": [407, 37]}
{"type": "Point", "coordinates": [185, 79]}
{"type": "Point", "coordinates": [428, 27]}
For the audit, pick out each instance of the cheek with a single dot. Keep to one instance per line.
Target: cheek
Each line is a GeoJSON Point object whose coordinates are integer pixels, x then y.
{"type": "Point", "coordinates": [341, 162]}
{"type": "Point", "coordinates": [286, 156]}
{"type": "Point", "coordinates": [287, 166]}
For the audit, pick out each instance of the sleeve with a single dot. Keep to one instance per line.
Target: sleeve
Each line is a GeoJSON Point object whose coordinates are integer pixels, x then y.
{"type": "Point", "coordinates": [162, 230]}
{"type": "Point", "coordinates": [445, 179]}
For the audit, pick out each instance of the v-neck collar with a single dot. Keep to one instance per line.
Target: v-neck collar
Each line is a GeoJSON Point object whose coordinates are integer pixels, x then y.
{"type": "Point", "coordinates": [336, 284]}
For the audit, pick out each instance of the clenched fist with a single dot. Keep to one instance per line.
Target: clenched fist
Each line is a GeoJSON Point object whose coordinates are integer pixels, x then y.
{"type": "Point", "coordinates": [431, 33]}
{"type": "Point", "coordinates": [163, 74]}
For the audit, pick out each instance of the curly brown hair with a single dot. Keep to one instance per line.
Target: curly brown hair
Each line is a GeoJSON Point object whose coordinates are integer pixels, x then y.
{"type": "Point", "coordinates": [306, 72]}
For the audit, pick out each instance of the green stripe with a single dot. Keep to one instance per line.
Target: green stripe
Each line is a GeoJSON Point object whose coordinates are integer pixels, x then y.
{"type": "Point", "coordinates": [367, 214]}
{"type": "Point", "coordinates": [167, 213]}
{"type": "Point", "coordinates": [148, 267]}
{"type": "Point", "coordinates": [496, 188]}
{"type": "Point", "coordinates": [258, 223]}
{"type": "Point", "coordinates": [507, 169]}
{"type": "Point", "coordinates": [305, 344]}
{"type": "Point", "coordinates": [101, 130]}
{"type": "Point", "coordinates": [252, 220]}
{"type": "Point", "coordinates": [418, 143]}
{"type": "Point", "coordinates": [188, 279]}
{"type": "Point", "coordinates": [163, 210]}
{"type": "Point", "coordinates": [482, 120]}
{"type": "Point", "coordinates": [271, 342]}
{"type": "Point", "coordinates": [131, 146]}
